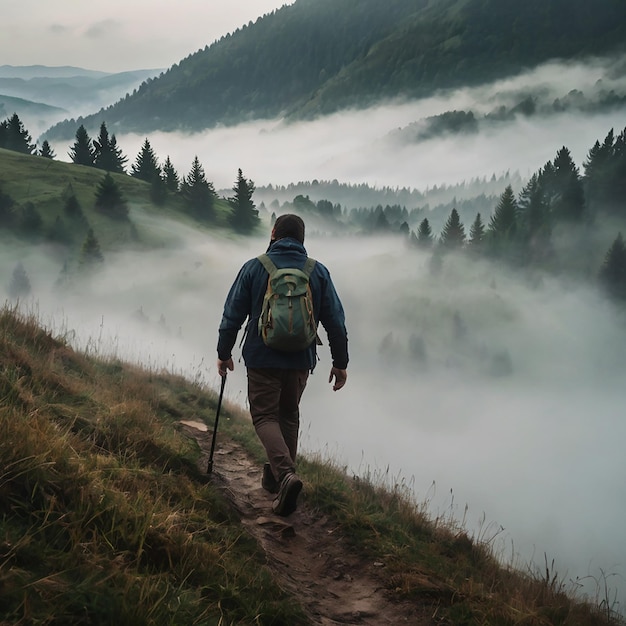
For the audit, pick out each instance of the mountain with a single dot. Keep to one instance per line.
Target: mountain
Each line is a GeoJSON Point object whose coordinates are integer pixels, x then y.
{"type": "Point", "coordinates": [319, 56]}
{"type": "Point", "coordinates": [68, 91]}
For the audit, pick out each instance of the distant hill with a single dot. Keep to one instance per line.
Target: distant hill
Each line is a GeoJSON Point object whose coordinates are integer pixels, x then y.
{"type": "Point", "coordinates": [37, 71]}
{"type": "Point", "coordinates": [319, 56]}
{"type": "Point", "coordinates": [69, 91]}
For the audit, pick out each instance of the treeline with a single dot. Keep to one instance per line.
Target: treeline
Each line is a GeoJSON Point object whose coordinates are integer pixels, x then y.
{"type": "Point", "coordinates": [557, 199]}
{"type": "Point", "coordinates": [555, 222]}
{"type": "Point", "coordinates": [196, 191]}
{"type": "Point", "coordinates": [313, 58]}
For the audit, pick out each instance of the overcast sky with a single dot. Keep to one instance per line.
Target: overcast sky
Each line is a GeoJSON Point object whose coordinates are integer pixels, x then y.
{"type": "Point", "coordinates": [118, 35]}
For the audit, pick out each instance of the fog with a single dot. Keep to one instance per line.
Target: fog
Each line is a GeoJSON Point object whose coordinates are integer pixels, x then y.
{"type": "Point", "coordinates": [359, 146]}
{"type": "Point", "coordinates": [513, 406]}
{"type": "Point", "coordinates": [475, 388]}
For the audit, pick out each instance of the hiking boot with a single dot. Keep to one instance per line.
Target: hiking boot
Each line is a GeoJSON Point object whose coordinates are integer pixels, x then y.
{"type": "Point", "coordinates": [268, 482]}
{"type": "Point", "coordinates": [286, 501]}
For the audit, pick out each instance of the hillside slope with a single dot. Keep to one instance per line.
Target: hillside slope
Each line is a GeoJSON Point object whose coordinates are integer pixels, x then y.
{"type": "Point", "coordinates": [318, 56]}
{"type": "Point", "coordinates": [107, 516]}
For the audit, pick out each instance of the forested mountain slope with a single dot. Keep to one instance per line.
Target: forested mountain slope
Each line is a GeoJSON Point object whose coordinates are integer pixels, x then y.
{"type": "Point", "coordinates": [318, 56]}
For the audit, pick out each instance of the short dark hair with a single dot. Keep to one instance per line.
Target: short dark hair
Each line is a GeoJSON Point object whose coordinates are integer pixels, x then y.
{"type": "Point", "coordinates": [289, 225]}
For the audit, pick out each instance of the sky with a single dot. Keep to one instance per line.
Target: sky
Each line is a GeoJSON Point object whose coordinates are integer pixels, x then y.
{"type": "Point", "coordinates": [118, 35]}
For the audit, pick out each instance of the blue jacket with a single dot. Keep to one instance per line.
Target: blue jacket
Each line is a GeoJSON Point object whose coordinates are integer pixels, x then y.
{"type": "Point", "coordinates": [245, 300]}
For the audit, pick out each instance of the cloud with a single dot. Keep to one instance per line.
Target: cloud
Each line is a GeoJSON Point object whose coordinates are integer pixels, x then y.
{"type": "Point", "coordinates": [103, 29]}
{"type": "Point", "coordinates": [59, 29]}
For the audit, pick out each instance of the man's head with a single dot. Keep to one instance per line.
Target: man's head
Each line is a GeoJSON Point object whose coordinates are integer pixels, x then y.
{"type": "Point", "coordinates": [288, 225]}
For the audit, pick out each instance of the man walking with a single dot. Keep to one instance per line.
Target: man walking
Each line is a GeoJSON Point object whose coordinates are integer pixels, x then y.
{"type": "Point", "coordinates": [277, 378]}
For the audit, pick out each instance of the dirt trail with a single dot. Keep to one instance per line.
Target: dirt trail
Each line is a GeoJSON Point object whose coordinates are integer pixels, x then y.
{"type": "Point", "coordinates": [305, 551]}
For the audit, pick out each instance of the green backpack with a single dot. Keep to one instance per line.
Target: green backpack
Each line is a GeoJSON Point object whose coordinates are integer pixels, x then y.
{"type": "Point", "coordinates": [287, 323]}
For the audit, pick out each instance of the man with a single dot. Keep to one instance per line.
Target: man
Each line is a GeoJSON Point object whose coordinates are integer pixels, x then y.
{"type": "Point", "coordinates": [276, 379]}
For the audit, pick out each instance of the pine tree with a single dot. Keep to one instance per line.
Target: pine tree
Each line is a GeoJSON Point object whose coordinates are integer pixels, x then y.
{"type": "Point", "coordinates": [16, 137]}
{"type": "Point", "coordinates": [82, 152]}
{"type": "Point", "coordinates": [198, 193]}
{"type": "Point", "coordinates": [613, 271]}
{"type": "Point", "coordinates": [424, 234]}
{"type": "Point", "coordinates": [73, 209]}
{"type": "Point", "coordinates": [109, 198]}
{"type": "Point", "coordinates": [58, 232]}
{"type": "Point", "coordinates": [245, 217]}
{"type": "Point", "coordinates": [569, 202]}
{"type": "Point", "coordinates": [90, 254]}
{"type": "Point", "coordinates": [453, 233]}
{"type": "Point", "coordinates": [146, 166]}
{"type": "Point", "coordinates": [534, 220]}
{"type": "Point", "coordinates": [46, 151]}
{"type": "Point", "coordinates": [476, 235]}
{"type": "Point", "coordinates": [107, 156]}
{"type": "Point", "coordinates": [20, 284]}
{"type": "Point", "coordinates": [29, 220]}
{"type": "Point", "coordinates": [170, 175]}
{"type": "Point", "coordinates": [503, 222]}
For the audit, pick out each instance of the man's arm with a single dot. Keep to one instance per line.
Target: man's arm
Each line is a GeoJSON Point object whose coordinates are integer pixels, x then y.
{"type": "Point", "coordinates": [236, 310]}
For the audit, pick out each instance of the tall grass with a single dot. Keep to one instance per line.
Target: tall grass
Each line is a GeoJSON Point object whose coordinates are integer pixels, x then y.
{"type": "Point", "coordinates": [104, 517]}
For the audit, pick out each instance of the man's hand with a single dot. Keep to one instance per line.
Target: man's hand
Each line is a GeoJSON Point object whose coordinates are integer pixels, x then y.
{"type": "Point", "coordinates": [222, 366]}
{"type": "Point", "coordinates": [340, 377]}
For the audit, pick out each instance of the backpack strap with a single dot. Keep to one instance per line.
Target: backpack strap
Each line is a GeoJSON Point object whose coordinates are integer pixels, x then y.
{"type": "Point", "coordinates": [268, 264]}
{"type": "Point", "coordinates": [308, 266]}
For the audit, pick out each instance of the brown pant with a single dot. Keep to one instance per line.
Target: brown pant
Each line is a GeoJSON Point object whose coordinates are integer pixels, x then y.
{"type": "Point", "coordinates": [274, 396]}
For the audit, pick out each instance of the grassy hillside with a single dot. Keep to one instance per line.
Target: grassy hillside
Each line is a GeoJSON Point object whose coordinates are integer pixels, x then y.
{"type": "Point", "coordinates": [105, 517]}
{"type": "Point", "coordinates": [318, 56]}
{"type": "Point", "coordinates": [45, 185]}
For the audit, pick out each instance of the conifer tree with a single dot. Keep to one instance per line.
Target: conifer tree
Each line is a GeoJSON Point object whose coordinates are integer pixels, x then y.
{"type": "Point", "coordinates": [570, 199]}
{"type": "Point", "coordinates": [72, 208]}
{"type": "Point", "coordinates": [46, 151]}
{"type": "Point", "coordinates": [453, 233]}
{"type": "Point", "coordinates": [146, 166]}
{"type": "Point", "coordinates": [245, 216]}
{"type": "Point", "coordinates": [107, 155]}
{"type": "Point", "coordinates": [503, 222]}
{"type": "Point", "coordinates": [90, 253]}
{"type": "Point", "coordinates": [29, 220]}
{"type": "Point", "coordinates": [198, 193]}
{"type": "Point", "coordinates": [109, 198]}
{"type": "Point", "coordinates": [82, 152]}
{"type": "Point", "coordinates": [476, 235]}
{"type": "Point", "coordinates": [534, 220]}
{"type": "Point", "coordinates": [58, 231]}
{"type": "Point", "coordinates": [170, 176]}
{"type": "Point", "coordinates": [613, 271]}
{"type": "Point", "coordinates": [15, 137]}
{"type": "Point", "coordinates": [424, 234]}
{"type": "Point", "coordinates": [20, 286]}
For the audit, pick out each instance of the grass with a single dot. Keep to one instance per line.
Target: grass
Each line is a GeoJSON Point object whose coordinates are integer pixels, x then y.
{"type": "Point", "coordinates": [46, 183]}
{"type": "Point", "coordinates": [105, 517]}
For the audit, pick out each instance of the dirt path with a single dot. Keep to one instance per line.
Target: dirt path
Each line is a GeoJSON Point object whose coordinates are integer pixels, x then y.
{"type": "Point", "coordinates": [305, 551]}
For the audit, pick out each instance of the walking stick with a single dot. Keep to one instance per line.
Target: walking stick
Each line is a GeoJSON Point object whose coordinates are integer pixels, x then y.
{"type": "Point", "coordinates": [217, 417]}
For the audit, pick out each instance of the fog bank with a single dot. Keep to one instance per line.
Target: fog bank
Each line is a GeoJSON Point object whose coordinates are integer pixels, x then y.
{"type": "Point", "coordinates": [359, 146]}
